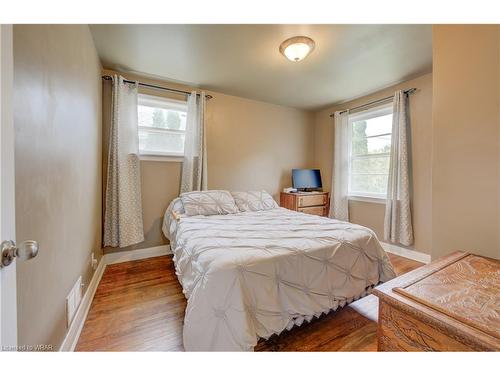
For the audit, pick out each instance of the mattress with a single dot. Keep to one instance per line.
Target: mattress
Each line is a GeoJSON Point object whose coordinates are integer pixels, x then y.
{"type": "Point", "coordinates": [253, 274]}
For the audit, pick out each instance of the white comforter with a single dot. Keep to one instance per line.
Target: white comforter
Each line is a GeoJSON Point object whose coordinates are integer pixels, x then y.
{"type": "Point", "coordinates": [253, 274]}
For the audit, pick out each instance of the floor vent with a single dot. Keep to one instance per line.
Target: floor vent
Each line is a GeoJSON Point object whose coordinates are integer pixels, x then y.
{"type": "Point", "coordinates": [73, 301]}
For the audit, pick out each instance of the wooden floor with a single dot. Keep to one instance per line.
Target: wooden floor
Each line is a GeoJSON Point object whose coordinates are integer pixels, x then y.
{"type": "Point", "coordinates": [139, 306]}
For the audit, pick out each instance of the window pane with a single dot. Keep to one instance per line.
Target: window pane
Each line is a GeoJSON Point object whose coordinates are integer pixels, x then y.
{"type": "Point", "coordinates": [371, 164]}
{"type": "Point", "coordinates": [161, 142]}
{"type": "Point", "coordinates": [374, 184]}
{"type": "Point", "coordinates": [368, 169]}
{"type": "Point", "coordinates": [165, 114]}
{"type": "Point", "coordinates": [375, 145]}
{"type": "Point", "coordinates": [373, 126]}
{"type": "Point", "coordinates": [161, 118]}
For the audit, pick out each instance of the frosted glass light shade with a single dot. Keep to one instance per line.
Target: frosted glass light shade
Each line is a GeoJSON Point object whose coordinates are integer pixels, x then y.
{"type": "Point", "coordinates": [297, 48]}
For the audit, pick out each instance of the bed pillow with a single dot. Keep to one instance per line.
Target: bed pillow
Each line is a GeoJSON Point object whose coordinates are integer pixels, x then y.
{"type": "Point", "coordinates": [210, 202]}
{"type": "Point", "coordinates": [254, 200]}
{"type": "Point", "coordinates": [170, 223]}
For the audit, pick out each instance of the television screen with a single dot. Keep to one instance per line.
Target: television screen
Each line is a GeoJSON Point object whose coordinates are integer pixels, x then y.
{"type": "Point", "coordinates": [306, 179]}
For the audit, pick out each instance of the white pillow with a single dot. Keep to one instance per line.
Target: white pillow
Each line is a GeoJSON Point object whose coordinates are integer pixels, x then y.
{"type": "Point", "coordinates": [210, 202]}
{"type": "Point", "coordinates": [254, 200]}
{"type": "Point", "coordinates": [169, 221]}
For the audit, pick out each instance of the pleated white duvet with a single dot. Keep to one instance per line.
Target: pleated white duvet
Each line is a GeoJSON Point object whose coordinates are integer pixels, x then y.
{"type": "Point", "coordinates": [253, 274]}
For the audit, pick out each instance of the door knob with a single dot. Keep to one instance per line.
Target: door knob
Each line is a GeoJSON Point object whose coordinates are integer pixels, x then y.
{"type": "Point", "coordinates": [27, 250]}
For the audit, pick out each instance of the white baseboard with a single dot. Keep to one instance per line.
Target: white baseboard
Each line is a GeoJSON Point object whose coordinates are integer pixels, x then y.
{"type": "Point", "coordinates": [407, 253]}
{"type": "Point", "coordinates": [73, 334]}
{"type": "Point", "coordinates": [75, 328]}
{"type": "Point", "coordinates": [126, 256]}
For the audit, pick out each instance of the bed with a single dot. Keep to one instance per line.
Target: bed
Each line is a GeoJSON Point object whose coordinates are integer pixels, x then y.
{"type": "Point", "coordinates": [252, 274]}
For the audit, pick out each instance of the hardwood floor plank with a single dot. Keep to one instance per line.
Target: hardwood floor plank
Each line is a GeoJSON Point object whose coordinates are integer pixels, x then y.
{"type": "Point", "coordinates": [139, 306]}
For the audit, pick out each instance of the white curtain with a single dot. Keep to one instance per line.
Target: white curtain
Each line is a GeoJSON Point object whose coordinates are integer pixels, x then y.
{"type": "Point", "coordinates": [339, 202]}
{"type": "Point", "coordinates": [397, 223]}
{"type": "Point", "coordinates": [123, 225]}
{"type": "Point", "coordinates": [194, 167]}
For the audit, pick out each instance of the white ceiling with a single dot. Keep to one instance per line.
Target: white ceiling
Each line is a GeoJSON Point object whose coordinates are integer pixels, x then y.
{"type": "Point", "coordinates": [349, 60]}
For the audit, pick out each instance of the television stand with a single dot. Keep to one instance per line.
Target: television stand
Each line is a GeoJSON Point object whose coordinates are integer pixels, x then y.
{"type": "Point", "coordinates": [308, 202]}
{"type": "Point", "coordinates": [308, 190]}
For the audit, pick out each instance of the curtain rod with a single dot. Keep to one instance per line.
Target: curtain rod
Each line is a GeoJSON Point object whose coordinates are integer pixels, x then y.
{"type": "Point", "coordinates": [109, 78]}
{"type": "Point", "coordinates": [408, 92]}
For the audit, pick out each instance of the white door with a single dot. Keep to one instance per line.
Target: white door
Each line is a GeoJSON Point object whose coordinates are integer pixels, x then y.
{"type": "Point", "coordinates": [9, 252]}
{"type": "Point", "coordinates": [8, 303]}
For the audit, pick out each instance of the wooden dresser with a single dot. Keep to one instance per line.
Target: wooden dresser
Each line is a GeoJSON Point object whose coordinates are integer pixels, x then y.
{"type": "Point", "coordinates": [314, 203]}
{"type": "Point", "coordinates": [452, 304]}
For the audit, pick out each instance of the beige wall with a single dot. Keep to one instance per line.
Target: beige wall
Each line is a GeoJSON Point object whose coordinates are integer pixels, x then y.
{"type": "Point", "coordinates": [254, 145]}
{"type": "Point", "coordinates": [372, 214]}
{"type": "Point", "coordinates": [57, 104]}
{"type": "Point", "coordinates": [466, 122]}
{"type": "Point", "coordinates": [250, 145]}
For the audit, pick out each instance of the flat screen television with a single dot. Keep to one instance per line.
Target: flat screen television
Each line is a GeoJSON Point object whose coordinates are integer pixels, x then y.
{"type": "Point", "coordinates": [306, 179]}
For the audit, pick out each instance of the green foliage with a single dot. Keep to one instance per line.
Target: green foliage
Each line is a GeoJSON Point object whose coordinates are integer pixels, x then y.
{"type": "Point", "coordinates": [173, 120]}
{"type": "Point", "coordinates": [159, 119]}
{"type": "Point", "coordinates": [359, 141]}
{"type": "Point", "coordinates": [369, 174]}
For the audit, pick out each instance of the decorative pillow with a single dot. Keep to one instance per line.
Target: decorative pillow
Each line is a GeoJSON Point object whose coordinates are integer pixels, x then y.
{"type": "Point", "coordinates": [170, 221]}
{"type": "Point", "coordinates": [210, 202]}
{"type": "Point", "coordinates": [254, 200]}
{"type": "Point", "coordinates": [177, 206]}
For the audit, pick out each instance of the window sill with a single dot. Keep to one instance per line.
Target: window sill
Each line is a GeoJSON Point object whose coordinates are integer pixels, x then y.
{"type": "Point", "coordinates": [366, 199]}
{"type": "Point", "coordinates": [168, 158]}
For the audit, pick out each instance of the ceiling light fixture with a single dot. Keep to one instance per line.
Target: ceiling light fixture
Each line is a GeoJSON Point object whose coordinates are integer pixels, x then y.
{"type": "Point", "coordinates": [297, 48]}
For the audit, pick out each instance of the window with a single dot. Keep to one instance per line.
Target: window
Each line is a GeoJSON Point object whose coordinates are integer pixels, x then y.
{"type": "Point", "coordinates": [162, 126]}
{"type": "Point", "coordinates": [369, 152]}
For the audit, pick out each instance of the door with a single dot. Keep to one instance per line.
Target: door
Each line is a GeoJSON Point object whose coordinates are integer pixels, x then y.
{"type": "Point", "coordinates": [8, 303]}
{"type": "Point", "coordinates": [9, 252]}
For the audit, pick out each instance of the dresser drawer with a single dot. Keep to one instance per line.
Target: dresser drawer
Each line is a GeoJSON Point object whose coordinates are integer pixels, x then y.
{"type": "Point", "coordinates": [311, 200]}
{"type": "Point", "coordinates": [318, 210]}
{"type": "Point", "coordinates": [310, 203]}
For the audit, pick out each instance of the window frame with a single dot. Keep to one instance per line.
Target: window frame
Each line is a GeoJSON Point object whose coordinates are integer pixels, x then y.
{"type": "Point", "coordinates": [163, 103]}
{"type": "Point", "coordinates": [378, 111]}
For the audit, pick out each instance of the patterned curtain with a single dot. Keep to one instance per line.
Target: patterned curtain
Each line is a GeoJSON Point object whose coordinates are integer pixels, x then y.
{"type": "Point", "coordinates": [194, 167]}
{"type": "Point", "coordinates": [397, 223]}
{"type": "Point", "coordinates": [339, 202]}
{"type": "Point", "coordinates": [123, 224]}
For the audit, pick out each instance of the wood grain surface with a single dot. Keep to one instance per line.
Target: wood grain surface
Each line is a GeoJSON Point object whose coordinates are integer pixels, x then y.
{"type": "Point", "coordinates": [139, 306]}
{"type": "Point", "coordinates": [313, 203]}
{"type": "Point", "coordinates": [452, 304]}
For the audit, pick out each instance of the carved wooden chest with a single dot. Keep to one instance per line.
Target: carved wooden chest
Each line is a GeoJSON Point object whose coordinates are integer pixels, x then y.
{"type": "Point", "coordinates": [452, 304]}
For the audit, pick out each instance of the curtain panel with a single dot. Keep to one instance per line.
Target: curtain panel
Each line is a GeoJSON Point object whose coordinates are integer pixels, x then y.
{"type": "Point", "coordinates": [194, 168]}
{"type": "Point", "coordinates": [397, 223]}
{"type": "Point", "coordinates": [123, 223]}
{"type": "Point", "coordinates": [339, 202]}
